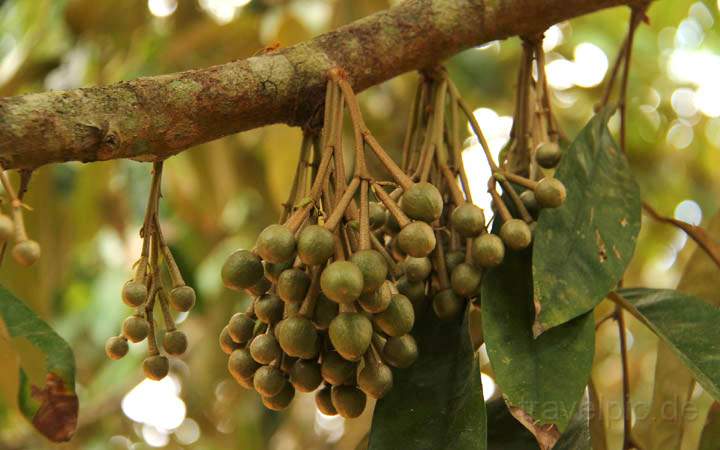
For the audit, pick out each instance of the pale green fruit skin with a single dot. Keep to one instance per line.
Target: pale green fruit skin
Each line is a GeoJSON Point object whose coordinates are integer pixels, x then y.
{"type": "Point", "coordinates": [548, 155]}
{"type": "Point", "coordinates": [417, 269]}
{"type": "Point", "coordinates": [26, 253]}
{"type": "Point", "coordinates": [116, 347]}
{"type": "Point", "coordinates": [468, 220]}
{"type": "Point", "coordinates": [292, 285]}
{"type": "Point", "coordinates": [134, 294]}
{"type": "Point", "coordinates": [375, 380]}
{"type": "Point", "coordinates": [373, 266]}
{"type": "Point", "coordinates": [422, 202]}
{"type": "Point", "coordinates": [465, 280]}
{"type": "Point", "coordinates": [156, 367]}
{"type": "Point", "coordinates": [305, 375]}
{"type": "Point", "coordinates": [276, 244]}
{"type": "Point", "coordinates": [297, 337]}
{"type": "Point", "coordinates": [337, 370]}
{"type": "Point", "coordinates": [240, 327]}
{"type": "Point", "coordinates": [453, 259]}
{"type": "Point", "coordinates": [376, 302]}
{"type": "Point", "coordinates": [342, 282]}
{"type": "Point", "coordinates": [315, 245]}
{"type": "Point", "coordinates": [269, 381]}
{"type": "Point", "coordinates": [241, 270]}
{"type": "Point", "coordinates": [281, 400]}
{"type": "Point", "coordinates": [135, 329]}
{"type": "Point", "coordinates": [182, 298]}
{"type": "Point", "coordinates": [264, 349]}
{"type": "Point", "coordinates": [398, 318]}
{"type": "Point", "coordinates": [488, 250]}
{"type": "Point", "coordinates": [323, 401]}
{"type": "Point", "coordinates": [269, 308]}
{"type": "Point", "coordinates": [447, 305]}
{"type": "Point", "coordinates": [175, 342]}
{"type": "Point", "coordinates": [530, 202]}
{"type": "Point", "coordinates": [550, 193]}
{"type": "Point", "coordinates": [377, 215]}
{"type": "Point", "coordinates": [351, 334]}
{"type": "Point", "coordinates": [7, 228]}
{"type": "Point", "coordinates": [349, 401]}
{"type": "Point", "coordinates": [417, 239]}
{"type": "Point", "coordinates": [516, 234]}
{"type": "Point", "coordinates": [401, 351]}
{"type": "Point", "coordinates": [414, 291]}
{"type": "Point", "coordinates": [241, 364]}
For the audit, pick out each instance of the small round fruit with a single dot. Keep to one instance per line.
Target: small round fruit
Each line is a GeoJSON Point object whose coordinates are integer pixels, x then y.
{"type": "Point", "coordinates": [373, 266]}
{"type": "Point", "coordinates": [375, 380]}
{"type": "Point", "coordinates": [297, 337]}
{"type": "Point", "coordinates": [465, 280]}
{"type": "Point", "coordinates": [281, 400]}
{"type": "Point", "coordinates": [116, 347]}
{"type": "Point", "coordinates": [259, 288]}
{"type": "Point", "coordinates": [375, 302]}
{"type": "Point", "coordinates": [134, 294]}
{"type": "Point", "coordinates": [417, 239]}
{"type": "Point", "coordinates": [135, 328]}
{"type": "Point", "coordinates": [391, 224]}
{"type": "Point", "coordinates": [548, 155]}
{"type": "Point", "coordinates": [516, 234]}
{"type": "Point", "coordinates": [26, 252]}
{"type": "Point", "coordinates": [349, 401]}
{"type": "Point", "coordinates": [182, 298]}
{"type": "Point", "coordinates": [422, 201]}
{"type": "Point", "coordinates": [156, 367]}
{"type": "Point", "coordinates": [315, 245]}
{"type": "Point", "coordinates": [453, 259]}
{"type": "Point", "coordinates": [305, 375]}
{"type": "Point", "coordinates": [276, 244]}
{"type": "Point", "coordinates": [417, 269]}
{"type": "Point", "coordinates": [269, 381]}
{"type": "Point", "coordinates": [7, 228]}
{"type": "Point", "coordinates": [488, 250]}
{"type": "Point", "coordinates": [398, 318]}
{"type": "Point", "coordinates": [377, 215]}
{"type": "Point", "coordinates": [241, 328]}
{"type": "Point", "coordinates": [323, 401]}
{"type": "Point", "coordinates": [342, 282]}
{"type": "Point", "coordinates": [175, 342]}
{"type": "Point", "coordinates": [264, 349]}
{"type": "Point", "coordinates": [351, 334]}
{"type": "Point", "coordinates": [447, 305]}
{"type": "Point", "coordinates": [273, 271]}
{"type": "Point", "coordinates": [325, 312]}
{"type": "Point", "coordinates": [269, 308]}
{"type": "Point", "coordinates": [242, 269]}
{"type": "Point", "coordinates": [400, 352]}
{"type": "Point", "coordinates": [468, 220]}
{"type": "Point", "coordinates": [529, 201]}
{"type": "Point", "coordinates": [335, 369]}
{"type": "Point", "coordinates": [414, 291]}
{"type": "Point", "coordinates": [550, 193]}
{"type": "Point", "coordinates": [241, 364]}
{"type": "Point", "coordinates": [227, 345]}
{"type": "Point", "coordinates": [286, 363]}
{"type": "Point", "coordinates": [292, 285]}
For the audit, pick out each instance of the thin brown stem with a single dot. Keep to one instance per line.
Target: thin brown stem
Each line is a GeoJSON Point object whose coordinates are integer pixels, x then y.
{"type": "Point", "coordinates": [627, 418]}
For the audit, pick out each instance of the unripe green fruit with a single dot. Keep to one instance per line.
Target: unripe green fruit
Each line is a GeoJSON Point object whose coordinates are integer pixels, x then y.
{"type": "Point", "coordinates": [315, 245]}
{"type": "Point", "coordinates": [116, 347]}
{"type": "Point", "coordinates": [375, 380]}
{"type": "Point", "coordinates": [447, 305]}
{"type": "Point", "coordinates": [134, 294]}
{"type": "Point", "coordinates": [550, 193]}
{"type": "Point", "coordinates": [259, 288]}
{"type": "Point", "coordinates": [287, 363]}
{"type": "Point", "coordinates": [325, 312]}
{"type": "Point", "coordinates": [241, 364]}
{"type": "Point", "coordinates": [297, 337]}
{"type": "Point", "coordinates": [276, 243]}
{"type": "Point", "coordinates": [273, 271]}
{"type": "Point", "coordinates": [375, 302]}
{"type": "Point", "coordinates": [349, 401]}
{"type": "Point", "coordinates": [292, 285]}
{"type": "Point", "coordinates": [417, 269]}
{"type": "Point", "coordinates": [241, 328]}
{"type": "Point", "coordinates": [269, 381]}
{"type": "Point", "coordinates": [342, 282]}
{"type": "Point", "coordinates": [7, 228]}
{"type": "Point", "coordinates": [269, 308]}
{"type": "Point", "coordinates": [516, 234]}
{"type": "Point", "coordinates": [175, 342]}
{"type": "Point", "coordinates": [305, 375]}
{"type": "Point", "coordinates": [548, 155]}
{"type": "Point", "coordinates": [465, 280]}
{"type": "Point", "coordinates": [350, 334]}
{"type": "Point", "coordinates": [401, 351]}
{"type": "Point", "coordinates": [264, 349]}
{"type": "Point", "coordinates": [227, 345]}
{"type": "Point", "coordinates": [282, 400]}
{"type": "Point", "coordinates": [377, 215]}
{"type": "Point", "coordinates": [468, 220]}
{"type": "Point", "coordinates": [453, 259]}
{"type": "Point", "coordinates": [26, 253]}
{"type": "Point", "coordinates": [417, 239]}
{"type": "Point", "coordinates": [242, 269]}
{"type": "Point", "coordinates": [182, 298]}
{"type": "Point", "coordinates": [323, 401]}
{"type": "Point", "coordinates": [135, 328]}
{"type": "Point", "coordinates": [398, 318]}
{"type": "Point", "coordinates": [373, 266]}
{"type": "Point", "coordinates": [337, 370]}
{"type": "Point", "coordinates": [391, 224]}
{"type": "Point", "coordinates": [414, 291]}
{"type": "Point", "coordinates": [488, 250]}
{"type": "Point", "coordinates": [529, 201]}
{"type": "Point", "coordinates": [156, 367]}
{"type": "Point", "coordinates": [422, 202]}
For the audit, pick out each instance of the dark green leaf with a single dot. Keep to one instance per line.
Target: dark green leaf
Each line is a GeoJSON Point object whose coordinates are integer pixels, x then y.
{"type": "Point", "coordinates": [582, 248]}
{"type": "Point", "coordinates": [438, 402]}
{"type": "Point", "coordinates": [577, 434]}
{"type": "Point", "coordinates": [504, 431]}
{"type": "Point", "coordinates": [687, 324]}
{"type": "Point", "coordinates": [52, 409]}
{"type": "Point", "coordinates": [710, 439]}
{"type": "Point", "coordinates": [543, 377]}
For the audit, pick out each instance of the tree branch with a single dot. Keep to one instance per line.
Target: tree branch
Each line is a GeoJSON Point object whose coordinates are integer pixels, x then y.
{"type": "Point", "coordinates": [155, 117]}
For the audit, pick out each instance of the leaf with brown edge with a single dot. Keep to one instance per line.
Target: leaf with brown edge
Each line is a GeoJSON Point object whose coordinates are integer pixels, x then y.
{"type": "Point", "coordinates": [52, 408]}
{"type": "Point", "coordinates": [546, 435]}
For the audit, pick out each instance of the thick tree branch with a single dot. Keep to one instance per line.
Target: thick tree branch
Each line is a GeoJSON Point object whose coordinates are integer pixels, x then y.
{"type": "Point", "coordinates": [159, 116]}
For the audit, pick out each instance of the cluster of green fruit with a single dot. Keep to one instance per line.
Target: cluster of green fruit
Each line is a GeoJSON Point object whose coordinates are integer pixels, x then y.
{"type": "Point", "coordinates": [25, 251]}
{"type": "Point", "coordinates": [146, 290]}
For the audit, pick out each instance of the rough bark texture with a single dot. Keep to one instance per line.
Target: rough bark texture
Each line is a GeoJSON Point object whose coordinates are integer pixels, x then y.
{"type": "Point", "coordinates": [159, 116]}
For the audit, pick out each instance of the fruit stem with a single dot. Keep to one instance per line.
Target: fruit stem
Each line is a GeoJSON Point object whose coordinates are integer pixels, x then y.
{"type": "Point", "coordinates": [175, 275]}
{"type": "Point", "coordinates": [337, 214]}
{"type": "Point", "coordinates": [451, 181]}
{"type": "Point", "coordinates": [440, 264]}
{"type": "Point", "coordinates": [390, 204]}
{"type": "Point", "coordinates": [299, 176]}
{"type": "Point", "coordinates": [381, 249]}
{"type": "Point", "coordinates": [501, 206]}
{"type": "Point", "coordinates": [152, 344]}
{"type": "Point", "coordinates": [307, 309]}
{"type": "Point", "coordinates": [16, 205]}
{"type": "Point", "coordinates": [517, 179]}
{"type": "Point", "coordinates": [364, 216]}
{"type": "Point", "coordinates": [165, 306]}
{"type": "Point", "coordinates": [411, 128]}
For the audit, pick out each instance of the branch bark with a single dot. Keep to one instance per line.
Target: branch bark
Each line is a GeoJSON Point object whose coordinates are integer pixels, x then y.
{"type": "Point", "coordinates": [155, 117]}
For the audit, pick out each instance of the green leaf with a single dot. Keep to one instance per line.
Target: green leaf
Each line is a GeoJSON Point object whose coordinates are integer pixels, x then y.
{"type": "Point", "coordinates": [687, 324]}
{"type": "Point", "coordinates": [582, 248]}
{"type": "Point", "coordinates": [577, 434]}
{"type": "Point", "coordinates": [710, 439]}
{"type": "Point", "coordinates": [52, 409]}
{"type": "Point", "coordinates": [504, 431]}
{"type": "Point", "coordinates": [437, 403]}
{"type": "Point", "coordinates": [542, 379]}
